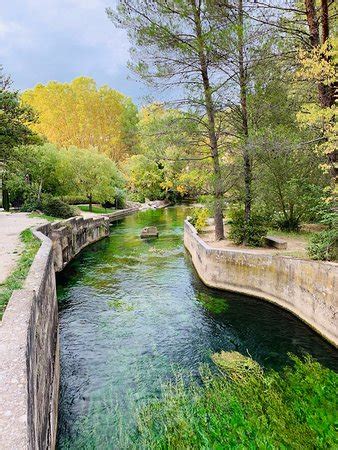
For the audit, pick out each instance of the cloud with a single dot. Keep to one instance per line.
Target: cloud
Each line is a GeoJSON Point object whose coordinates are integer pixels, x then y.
{"type": "Point", "coordinates": [14, 35]}
{"type": "Point", "coordinates": [62, 39]}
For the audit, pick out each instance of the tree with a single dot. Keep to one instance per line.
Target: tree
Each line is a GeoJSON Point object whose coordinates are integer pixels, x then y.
{"type": "Point", "coordinates": [94, 174]}
{"type": "Point", "coordinates": [81, 114]}
{"type": "Point", "coordinates": [290, 183]}
{"type": "Point", "coordinates": [168, 137]}
{"type": "Point", "coordinates": [33, 170]}
{"type": "Point", "coordinates": [15, 119]}
{"type": "Point", "coordinates": [144, 178]}
{"type": "Point", "coordinates": [176, 43]}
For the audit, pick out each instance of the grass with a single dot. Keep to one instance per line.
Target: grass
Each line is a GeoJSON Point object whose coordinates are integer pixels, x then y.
{"type": "Point", "coordinates": [240, 407]}
{"type": "Point", "coordinates": [17, 277]}
{"type": "Point", "coordinates": [96, 209]}
{"type": "Point", "coordinates": [44, 216]}
{"type": "Point", "coordinates": [303, 235]}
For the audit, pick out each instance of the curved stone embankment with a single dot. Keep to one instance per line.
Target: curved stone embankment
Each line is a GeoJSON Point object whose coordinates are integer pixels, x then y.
{"type": "Point", "coordinates": [29, 351]}
{"type": "Point", "coordinates": [308, 289]}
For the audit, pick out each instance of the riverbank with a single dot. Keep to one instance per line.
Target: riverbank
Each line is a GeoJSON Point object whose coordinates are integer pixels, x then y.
{"type": "Point", "coordinates": [29, 344]}
{"type": "Point", "coordinates": [297, 243]}
{"type": "Point", "coordinates": [308, 289]}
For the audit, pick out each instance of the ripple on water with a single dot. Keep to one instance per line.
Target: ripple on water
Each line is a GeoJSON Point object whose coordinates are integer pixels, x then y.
{"type": "Point", "coordinates": [133, 312]}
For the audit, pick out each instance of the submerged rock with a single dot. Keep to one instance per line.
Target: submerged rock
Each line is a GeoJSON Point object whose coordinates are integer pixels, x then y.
{"type": "Point", "coordinates": [149, 232]}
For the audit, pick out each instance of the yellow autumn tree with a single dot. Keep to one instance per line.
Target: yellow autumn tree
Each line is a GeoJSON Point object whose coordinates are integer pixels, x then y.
{"type": "Point", "coordinates": [319, 66]}
{"type": "Point", "coordinates": [80, 113]}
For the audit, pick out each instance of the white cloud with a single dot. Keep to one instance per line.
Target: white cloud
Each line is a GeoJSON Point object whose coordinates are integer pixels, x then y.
{"type": "Point", "coordinates": [14, 35]}
{"type": "Point", "coordinates": [42, 40]}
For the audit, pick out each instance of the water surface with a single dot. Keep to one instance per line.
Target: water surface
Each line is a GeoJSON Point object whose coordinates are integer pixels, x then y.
{"type": "Point", "coordinates": [133, 312]}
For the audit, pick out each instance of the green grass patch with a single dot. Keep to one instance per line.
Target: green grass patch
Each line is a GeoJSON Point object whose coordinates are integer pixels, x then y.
{"type": "Point", "coordinates": [16, 279]}
{"type": "Point", "coordinates": [96, 209]}
{"type": "Point", "coordinates": [304, 235]}
{"type": "Point", "coordinates": [240, 407]}
{"type": "Point", "coordinates": [44, 216]}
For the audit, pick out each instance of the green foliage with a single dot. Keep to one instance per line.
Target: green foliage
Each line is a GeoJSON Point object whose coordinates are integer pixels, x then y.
{"type": "Point", "coordinates": [239, 407]}
{"type": "Point", "coordinates": [18, 276]}
{"type": "Point", "coordinates": [283, 223]}
{"type": "Point", "coordinates": [73, 174]}
{"type": "Point", "coordinates": [14, 119]}
{"type": "Point", "coordinates": [144, 178]}
{"type": "Point", "coordinates": [253, 234]}
{"type": "Point", "coordinates": [30, 204]}
{"type": "Point", "coordinates": [96, 209]}
{"type": "Point", "coordinates": [324, 245]}
{"type": "Point", "coordinates": [76, 199]}
{"type": "Point", "coordinates": [289, 182]}
{"type": "Point", "coordinates": [57, 208]}
{"type": "Point", "coordinates": [198, 218]}
{"type": "Point", "coordinates": [120, 198]}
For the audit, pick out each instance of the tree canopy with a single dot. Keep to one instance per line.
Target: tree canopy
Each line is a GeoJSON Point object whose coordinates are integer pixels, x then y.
{"type": "Point", "coordinates": [82, 114]}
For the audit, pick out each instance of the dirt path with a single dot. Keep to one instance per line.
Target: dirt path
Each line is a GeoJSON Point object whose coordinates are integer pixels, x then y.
{"type": "Point", "coordinates": [11, 225]}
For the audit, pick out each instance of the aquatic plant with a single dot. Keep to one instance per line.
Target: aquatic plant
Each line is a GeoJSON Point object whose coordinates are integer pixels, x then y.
{"type": "Point", "coordinates": [213, 304]}
{"type": "Point", "coordinates": [292, 409]}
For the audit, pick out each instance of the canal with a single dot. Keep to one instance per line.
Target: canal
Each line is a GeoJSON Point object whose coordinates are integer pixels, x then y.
{"type": "Point", "coordinates": [133, 314]}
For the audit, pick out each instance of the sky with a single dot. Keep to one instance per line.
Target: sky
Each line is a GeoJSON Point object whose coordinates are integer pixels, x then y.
{"type": "Point", "coordinates": [43, 40]}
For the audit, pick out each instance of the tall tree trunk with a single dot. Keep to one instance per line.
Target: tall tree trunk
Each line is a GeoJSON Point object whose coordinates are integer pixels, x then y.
{"type": "Point", "coordinates": [4, 190]}
{"type": "Point", "coordinates": [39, 192]}
{"type": "Point", "coordinates": [5, 197]}
{"type": "Point", "coordinates": [244, 115]}
{"type": "Point", "coordinates": [312, 20]}
{"type": "Point", "coordinates": [90, 198]}
{"type": "Point", "coordinates": [325, 93]}
{"type": "Point", "coordinates": [210, 109]}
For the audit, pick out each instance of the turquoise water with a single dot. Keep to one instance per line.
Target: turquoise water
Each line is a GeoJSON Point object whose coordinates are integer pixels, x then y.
{"type": "Point", "coordinates": [133, 313]}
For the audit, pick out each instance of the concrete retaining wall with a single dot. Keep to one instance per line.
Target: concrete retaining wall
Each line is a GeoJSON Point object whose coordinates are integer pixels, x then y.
{"type": "Point", "coordinates": [29, 359]}
{"type": "Point", "coordinates": [70, 236]}
{"type": "Point", "coordinates": [29, 350]}
{"type": "Point", "coordinates": [308, 289]}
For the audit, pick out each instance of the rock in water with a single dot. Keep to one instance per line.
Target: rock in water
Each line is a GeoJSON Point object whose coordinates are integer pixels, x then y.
{"type": "Point", "coordinates": [148, 232]}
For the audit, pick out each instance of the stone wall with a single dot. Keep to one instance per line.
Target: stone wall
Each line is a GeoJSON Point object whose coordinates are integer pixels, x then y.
{"type": "Point", "coordinates": [29, 349]}
{"type": "Point", "coordinates": [308, 289]}
{"type": "Point", "coordinates": [70, 236]}
{"type": "Point", "coordinates": [29, 359]}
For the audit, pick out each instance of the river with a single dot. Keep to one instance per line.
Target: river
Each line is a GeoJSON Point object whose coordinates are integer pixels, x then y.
{"type": "Point", "coordinates": [133, 313]}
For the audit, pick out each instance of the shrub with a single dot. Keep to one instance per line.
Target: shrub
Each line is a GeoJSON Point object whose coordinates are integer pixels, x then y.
{"type": "Point", "coordinates": [240, 233]}
{"type": "Point", "coordinates": [120, 198]}
{"type": "Point", "coordinates": [57, 208]}
{"type": "Point", "coordinates": [76, 199]}
{"type": "Point", "coordinates": [199, 218]}
{"type": "Point", "coordinates": [285, 224]}
{"type": "Point", "coordinates": [324, 245]}
{"type": "Point", "coordinates": [30, 204]}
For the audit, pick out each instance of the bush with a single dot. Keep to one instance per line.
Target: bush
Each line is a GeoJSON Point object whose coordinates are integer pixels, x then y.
{"type": "Point", "coordinates": [76, 199]}
{"type": "Point", "coordinates": [30, 204]}
{"type": "Point", "coordinates": [199, 218]}
{"type": "Point", "coordinates": [324, 246]}
{"type": "Point", "coordinates": [120, 199]}
{"type": "Point", "coordinates": [253, 234]}
{"type": "Point", "coordinates": [57, 208]}
{"type": "Point", "coordinates": [285, 224]}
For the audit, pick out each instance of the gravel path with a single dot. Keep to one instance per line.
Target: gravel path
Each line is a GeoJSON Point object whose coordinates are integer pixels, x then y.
{"type": "Point", "coordinates": [11, 225]}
